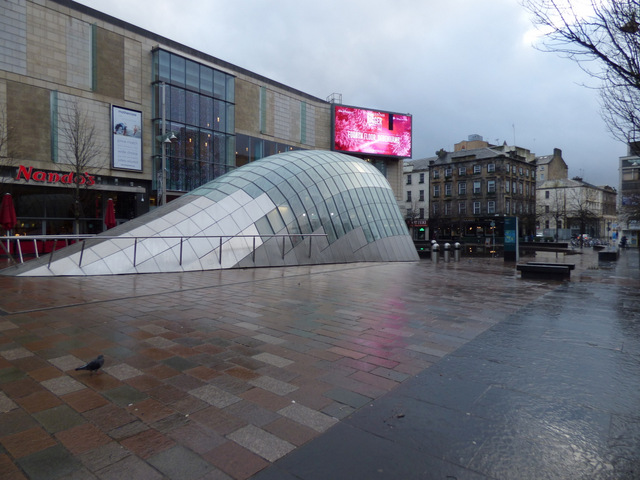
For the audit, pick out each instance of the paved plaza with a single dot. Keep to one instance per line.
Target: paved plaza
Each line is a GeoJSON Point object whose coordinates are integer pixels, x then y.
{"type": "Point", "coordinates": [356, 371]}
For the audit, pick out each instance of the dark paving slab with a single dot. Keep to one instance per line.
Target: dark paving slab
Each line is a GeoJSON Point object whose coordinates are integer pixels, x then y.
{"type": "Point", "coordinates": [552, 391]}
{"type": "Point", "coordinates": [413, 370]}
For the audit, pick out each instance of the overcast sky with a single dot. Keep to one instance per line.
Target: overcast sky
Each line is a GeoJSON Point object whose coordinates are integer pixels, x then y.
{"type": "Point", "coordinates": [460, 67]}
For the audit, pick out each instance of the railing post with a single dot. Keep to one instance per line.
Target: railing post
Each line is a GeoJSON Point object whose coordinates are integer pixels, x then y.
{"type": "Point", "coordinates": [55, 243]}
{"type": "Point", "coordinates": [81, 253]}
{"type": "Point", "coordinates": [181, 239]}
{"type": "Point", "coordinates": [19, 250]}
{"type": "Point", "coordinates": [283, 240]}
{"type": "Point", "coordinates": [135, 251]}
{"type": "Point", "coordinates": [253, 252]}
{"type": "Point", "coordinates": [35, 248]}
{"type": "Point", "coordinates": [220, 252]}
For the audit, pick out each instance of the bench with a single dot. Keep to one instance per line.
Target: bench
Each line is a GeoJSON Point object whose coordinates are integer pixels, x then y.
{"type": "Point", "coordinates": [556, 271]}
{"type": "Point", "coordinates": [609, 255]}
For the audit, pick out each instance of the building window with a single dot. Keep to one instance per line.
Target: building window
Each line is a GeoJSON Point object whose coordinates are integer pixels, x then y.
{"type": "Point", "coordinates": [421, 213]}
{"type": "Point", "coordinates": [507, 205]}
{"type": "Point", "coordinates": [546, 224]}
{"type": "Point", "coordinates": [436, 174]}
{"type": "Point", "coordinates": [447, 172]}
{"type": "Point", "coordinates": [200, 113]}
{"type": "Point", "coordinates": [513, 169]}
{"type": "Point", "coordinates": [447, 189]}
{"type": "Point", "coordinates": [462, 170]}
{"type": "Point", "coordinates": [408, 179]}
{"type": "Point", "coordinates": [491, 207]}
{"type": "Point", "coordinates": [521, 172]}
{"type": "Point", "coordinates": [491, 186]}
{"type": "Point", "coordinates": [477, 187]}
{"type": "Point", "coordinates": [514, 188]}
{"type": "Point", "coordinates": [546, 209]}
{"type": "Point", "coordinates": [507, 187]}
{"type": "Point", "coordinates": [409, 196]}
{"type": "Point", "coordinates": [546, 193]}
{"type": "Point", "coordinates": [491, 168]}
{"type": "Point", "coordinates": [477, 169]}
{"type": "Point", "coordinates": [447, 208]}
{"type": "Point", "coordinates": [520, 188]}
{"type": "Point", "coordinates": [436, 190]}
{"type": "Point", "coordinates": [422, 178]}
{"type": "Point", "coordinates": [421, 196]}
{"type": "Point", "coordinates": [542, 177]}
{"type": "Point", "coordinates": [476, 208]}
{"type": "Point", "coordinates": [462, 208]}
{"type": "Point", "coordinates": [435, 208]}
{"type": "Point", "coordinates": [462, 188]}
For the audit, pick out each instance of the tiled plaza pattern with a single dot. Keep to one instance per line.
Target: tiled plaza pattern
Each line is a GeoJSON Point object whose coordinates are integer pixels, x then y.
{"type": "Point", "coordinates": [216, 375]}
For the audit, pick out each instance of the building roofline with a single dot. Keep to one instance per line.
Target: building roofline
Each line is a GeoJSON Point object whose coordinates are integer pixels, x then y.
{"type": "Point", "coordinates": [78, 7]}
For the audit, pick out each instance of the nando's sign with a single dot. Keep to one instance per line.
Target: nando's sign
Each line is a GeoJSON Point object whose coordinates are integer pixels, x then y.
{"type": "Point", "coordinates": [41, 176]}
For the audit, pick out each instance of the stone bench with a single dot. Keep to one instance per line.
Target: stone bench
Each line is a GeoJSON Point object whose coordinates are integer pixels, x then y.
{"type": "Point", "coordinates": [553, 271]}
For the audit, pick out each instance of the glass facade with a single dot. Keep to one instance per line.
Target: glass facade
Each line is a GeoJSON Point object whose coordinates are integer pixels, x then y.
{"type": "Point", "coordinates": [199, 110]}
{"type": "Point", "coordinates": [316, 189]}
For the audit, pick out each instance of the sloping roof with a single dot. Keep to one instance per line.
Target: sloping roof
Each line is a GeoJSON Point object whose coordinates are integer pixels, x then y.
{"type": "Point", "coordinates": [234, 222]}
{"type": "Point", "coordinates": [483, 153]}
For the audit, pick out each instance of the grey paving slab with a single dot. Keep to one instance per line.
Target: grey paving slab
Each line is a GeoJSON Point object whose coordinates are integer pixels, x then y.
{"type": "Point", "coordinates": [399, 370]}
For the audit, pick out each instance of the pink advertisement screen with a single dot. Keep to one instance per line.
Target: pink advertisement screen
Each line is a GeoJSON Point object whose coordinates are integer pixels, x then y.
{"type": "Point", "coordinates": [369, 131]}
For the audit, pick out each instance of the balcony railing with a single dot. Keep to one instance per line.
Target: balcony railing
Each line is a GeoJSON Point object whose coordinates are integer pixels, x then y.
{"type": "Point", "coordinates": [38, 245]}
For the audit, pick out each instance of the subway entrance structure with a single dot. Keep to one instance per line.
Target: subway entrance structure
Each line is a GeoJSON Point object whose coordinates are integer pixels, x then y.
{"type": "Point", "coordinates": [304, 207]}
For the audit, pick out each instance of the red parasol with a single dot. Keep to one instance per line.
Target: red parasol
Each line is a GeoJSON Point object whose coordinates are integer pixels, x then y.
{"type": "Point", "coordinates": [110, 215]}
{"type": "Point", "coordinates": [7, 212]}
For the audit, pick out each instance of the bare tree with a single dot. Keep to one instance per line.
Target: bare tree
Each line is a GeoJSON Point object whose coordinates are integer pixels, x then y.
{"type": "Point", "coordinates": [582, 209]}
{"type": "Point", "coordinates": [82, 151]}
{"type": "Point", "coordinates": [7, 131]}
{"type": "Point", "coordinates": [603, 36]}
{"type": "Point", "coordinates": [554, 207]}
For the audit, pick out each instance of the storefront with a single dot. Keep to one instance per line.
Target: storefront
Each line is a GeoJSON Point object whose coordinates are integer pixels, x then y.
{"type": "Point", "coordinates": [45, 200]}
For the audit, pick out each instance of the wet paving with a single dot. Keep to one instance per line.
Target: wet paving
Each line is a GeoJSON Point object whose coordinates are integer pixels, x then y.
{"type": "Point", "coordinates": [390, 371]}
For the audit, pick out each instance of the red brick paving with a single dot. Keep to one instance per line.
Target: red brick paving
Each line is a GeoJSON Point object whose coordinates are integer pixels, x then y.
{"type": "Point", "coordinates": [346, 329]}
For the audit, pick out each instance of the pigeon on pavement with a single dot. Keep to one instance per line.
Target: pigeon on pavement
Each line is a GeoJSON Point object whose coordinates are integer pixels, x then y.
{"type": "Point", "coordinates": [94, 365]}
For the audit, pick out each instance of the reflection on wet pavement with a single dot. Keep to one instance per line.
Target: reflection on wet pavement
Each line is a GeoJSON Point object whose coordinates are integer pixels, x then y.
{"type": "Point", "coordinates": [395, 371]}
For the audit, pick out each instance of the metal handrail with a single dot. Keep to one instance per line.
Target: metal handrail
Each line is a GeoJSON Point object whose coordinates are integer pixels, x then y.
{"type": "Point", "coordinates": [182, 238]}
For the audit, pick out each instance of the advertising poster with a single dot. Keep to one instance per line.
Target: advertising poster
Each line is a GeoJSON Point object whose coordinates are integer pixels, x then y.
{"type": "Point", "coordinates": [127, 138]}
{"type": "Point", "coordinates": [372, 132]}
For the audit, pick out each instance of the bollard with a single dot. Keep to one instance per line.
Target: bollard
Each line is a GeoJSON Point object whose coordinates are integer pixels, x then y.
{"type": "Point", "coordinates": [447, 252]}
{"type": "Point", "coordinates": [456, 251]}
{"type": "Point", "coordinates": [435, 253]}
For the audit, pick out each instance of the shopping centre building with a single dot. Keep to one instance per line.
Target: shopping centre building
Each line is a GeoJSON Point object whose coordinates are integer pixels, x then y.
{"type": "Point", "coordinates": [68, 73]}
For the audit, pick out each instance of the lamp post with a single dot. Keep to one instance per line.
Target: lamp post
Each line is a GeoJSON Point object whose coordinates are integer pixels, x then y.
{"type": "Point", "coordinates": [164, 139]}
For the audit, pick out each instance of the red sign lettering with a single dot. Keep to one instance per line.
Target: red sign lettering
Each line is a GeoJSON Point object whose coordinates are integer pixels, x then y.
{"type": "Point", "coordinates": [27, 173]}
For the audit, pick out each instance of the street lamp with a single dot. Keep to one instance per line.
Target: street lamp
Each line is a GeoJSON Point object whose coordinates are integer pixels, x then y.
{"type": "Point", "coordinates": [165, 139]}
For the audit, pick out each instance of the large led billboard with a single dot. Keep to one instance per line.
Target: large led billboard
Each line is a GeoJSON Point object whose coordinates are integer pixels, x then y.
{"type": "Point", "coordinates": [356, 130]}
